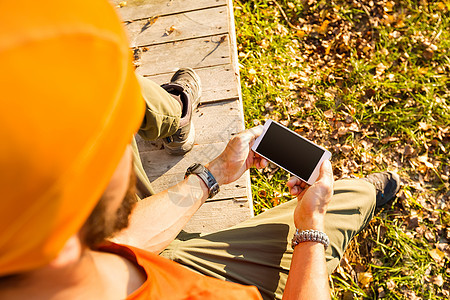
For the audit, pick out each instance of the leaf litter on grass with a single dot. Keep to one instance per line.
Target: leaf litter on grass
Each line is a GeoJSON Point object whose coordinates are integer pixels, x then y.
{"type": "Point", "coordinates": [369, 81]}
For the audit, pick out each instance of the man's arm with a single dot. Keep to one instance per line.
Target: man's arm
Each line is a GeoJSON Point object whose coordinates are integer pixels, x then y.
{"type": "Point", "coordinates": [308, 278]}
{"type": "Point", "coordinates": [158, 219]}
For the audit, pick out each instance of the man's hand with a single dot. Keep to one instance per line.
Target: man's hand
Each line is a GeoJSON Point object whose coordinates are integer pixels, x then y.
{"type": "Point", "coordinates": [237, 157]}
{"type": "Point", "coordinates": [308, 278]}
{"type": "Point", "coordinates": [312, 200]}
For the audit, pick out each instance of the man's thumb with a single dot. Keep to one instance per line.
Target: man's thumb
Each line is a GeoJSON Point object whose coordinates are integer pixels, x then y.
{"type": "Point", "coordinates": [326, 171]}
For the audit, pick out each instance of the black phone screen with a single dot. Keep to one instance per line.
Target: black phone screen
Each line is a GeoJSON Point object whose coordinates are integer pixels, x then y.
{"type": "Point", "coordinates": [290, 151]}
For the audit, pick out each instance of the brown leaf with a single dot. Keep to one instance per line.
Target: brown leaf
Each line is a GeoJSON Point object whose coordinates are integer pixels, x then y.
{"type": "Point", "coordinates": [262, 193]}
{"type": "Point", "coordinates": [429, 236]}
{"type": "Point", "coordinates": [284, 122]}
{"type": "Point", "coordinates": [381, 292]}
{"type": "Point", "coordinates": [328, 114]}
{"type": "Point", "coordinates": [428, 54]}
{"type": "Point", "coordinates": [354, 127]}
{"type": "Point", "coordinates": [380, 69]}
{"type": "Point", "coordinates": [391, 285]}
{"type": "Point", "coordinates": [366, 144]}
{"type": "Point", "coordinates": [413, 222]}
{"type": "Point", "coordinates": [346, 149]}
{"type": "Point", "coordinates": [389, 139]}
{"type": "Point", "coordinates": [408, 150]}
{"type": "Point", "coordinates": [437, 280]}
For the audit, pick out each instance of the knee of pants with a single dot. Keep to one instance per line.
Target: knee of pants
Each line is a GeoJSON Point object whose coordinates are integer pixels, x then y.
{"type": "Point", "coordinates": [357, 193]}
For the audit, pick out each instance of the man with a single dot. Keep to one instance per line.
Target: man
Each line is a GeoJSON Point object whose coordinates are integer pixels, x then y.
{"type": "Point", "coordinates": [70, 105]}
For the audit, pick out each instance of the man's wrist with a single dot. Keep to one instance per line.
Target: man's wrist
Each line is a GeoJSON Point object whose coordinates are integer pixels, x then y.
{"type": "Point", "coordinates": [311, 222]}
{"type": "Point", "coordinates": [216, 169]}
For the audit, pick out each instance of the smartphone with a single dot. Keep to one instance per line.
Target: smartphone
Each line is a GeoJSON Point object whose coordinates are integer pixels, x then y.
{"type": "Point", "coordinates": [290, 151]}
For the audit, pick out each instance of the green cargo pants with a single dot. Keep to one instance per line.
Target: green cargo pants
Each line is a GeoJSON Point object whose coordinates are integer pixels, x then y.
{"type": "Point", "coordinates": [257, 251]}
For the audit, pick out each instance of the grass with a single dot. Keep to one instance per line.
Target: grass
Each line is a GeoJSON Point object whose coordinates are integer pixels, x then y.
{"type": "Point", "coordinates": [369, 81]}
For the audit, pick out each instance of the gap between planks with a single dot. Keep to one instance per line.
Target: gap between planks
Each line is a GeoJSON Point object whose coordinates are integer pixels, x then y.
{"type": "Point", "coordinates": [141, 9]}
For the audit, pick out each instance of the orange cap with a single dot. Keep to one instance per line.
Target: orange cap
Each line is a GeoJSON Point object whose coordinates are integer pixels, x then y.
{"type": "Point", "coordinates": [69, 105]}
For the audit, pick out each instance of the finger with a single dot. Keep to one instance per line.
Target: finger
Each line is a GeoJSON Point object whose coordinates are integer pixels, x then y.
{"type": "Point", "coordinates": [264, 162]}
{"type": "Point", "coordinates": [303, 184]}
{"type": "Point", "coordinates": [294, 191]}
{"type": "Point", "coordinates": [293, 181]}
{"type": "Point", "coordinates": [256, 131]}
{"type": "Point", "coordinates": [326, 171]}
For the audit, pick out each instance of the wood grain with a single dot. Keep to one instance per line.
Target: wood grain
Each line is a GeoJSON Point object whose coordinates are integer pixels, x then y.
{"type": "Point", "coordinates": [141, 9]}
{"type": "Point", "coordinates": [219, 83]}
{"type": "Point", "coordinates": [181, 26]}
{"type": "Point", "coordinates": [196, 53]}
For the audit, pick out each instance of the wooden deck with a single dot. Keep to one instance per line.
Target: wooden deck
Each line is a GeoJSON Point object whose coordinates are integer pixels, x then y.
{"type": "Point", "coordinates": [166, 35]}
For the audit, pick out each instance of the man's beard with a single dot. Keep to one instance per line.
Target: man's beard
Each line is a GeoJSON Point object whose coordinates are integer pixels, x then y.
{"type": "Point", "coordinates": [99, 226]}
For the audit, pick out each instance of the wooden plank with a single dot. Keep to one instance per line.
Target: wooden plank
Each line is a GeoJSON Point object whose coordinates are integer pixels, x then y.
{"type": "Point", "coordinates": [203, 39]}
{"type": "Point", "coordinates": [195, 53]}
{"type": "Point", "coordinates": [159, 163]}
{"type": "Point", "coordinates": [214, 123]}
{"type": "Point", "coordinates": [140, 9]}
{"type": "Point", "coordinates": [182, 26]}
{"type": "Point", "coordinates": [215, 216]}
{"type": "Point", "coordinates": [218, 83]}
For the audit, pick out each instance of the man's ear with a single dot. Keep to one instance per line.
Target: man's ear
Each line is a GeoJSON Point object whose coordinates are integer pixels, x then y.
{"type": "Point", "coordinates": [69, 254]}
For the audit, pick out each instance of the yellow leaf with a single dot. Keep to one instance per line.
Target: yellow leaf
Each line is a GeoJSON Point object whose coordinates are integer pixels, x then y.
{"type": "Point", "coordinates": [436, 254]}
{"type": "Point", "coordinates": [365, 278]}
{"type": "Point", "coordinates": [300, 33]}
{"type": "Point", "coordinates": [323, 28]}
{"type": "Point", "coordinates": [122, 4]}
{"type": "Point", "coordinates": [423, 71]}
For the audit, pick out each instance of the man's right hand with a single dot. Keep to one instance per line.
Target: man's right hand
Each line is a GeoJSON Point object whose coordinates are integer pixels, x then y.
{"type": "Point", "coordinates": [312, 200]}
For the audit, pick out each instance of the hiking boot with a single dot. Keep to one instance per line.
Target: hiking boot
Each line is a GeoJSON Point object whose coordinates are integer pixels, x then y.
{"type": "Point", "coordinates": [185, 87]}
{"type": "Point", "coordinates": [387, 184]}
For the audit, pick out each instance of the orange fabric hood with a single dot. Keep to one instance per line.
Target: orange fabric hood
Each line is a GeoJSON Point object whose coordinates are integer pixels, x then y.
{"type": "Point", "coordinates": [69, 105]}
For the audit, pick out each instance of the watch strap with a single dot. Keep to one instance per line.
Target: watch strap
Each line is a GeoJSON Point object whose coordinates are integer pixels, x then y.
{"type": "Point", "coordinates": [205, 175]}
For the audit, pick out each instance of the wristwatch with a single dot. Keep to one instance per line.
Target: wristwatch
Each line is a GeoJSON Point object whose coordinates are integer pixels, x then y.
{"type": "Point", "coordinates": [202, 172]}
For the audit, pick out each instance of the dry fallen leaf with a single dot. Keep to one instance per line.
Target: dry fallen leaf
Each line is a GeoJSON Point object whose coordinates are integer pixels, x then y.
{"type": "Point", "coordinates": [323, 28]}
{"type": "Point", "coordinates": [437, 255]}
{"type": "Point", "coordinates": [170, 30]}
{"type": "Point", "coordinates": [437, 280]}
{"type": "Point", "coordinates": [346, 149]}
{"type": "Point", "coordinates": [424, 126]}
{"type": "Point", "coordinates": [328, 114]}
{"type": "Point", "coordinates": [389, 139]}
{"type": "Point", "coordinates": [365, 278]}
{"type": "Point", "coordinates": [424, 159]}
{"type": "Point", "coordinates": [390, 285]}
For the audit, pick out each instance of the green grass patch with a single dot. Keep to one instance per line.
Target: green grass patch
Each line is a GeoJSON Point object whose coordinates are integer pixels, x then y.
{"type": "Point", "coordinates": [369, 80]}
